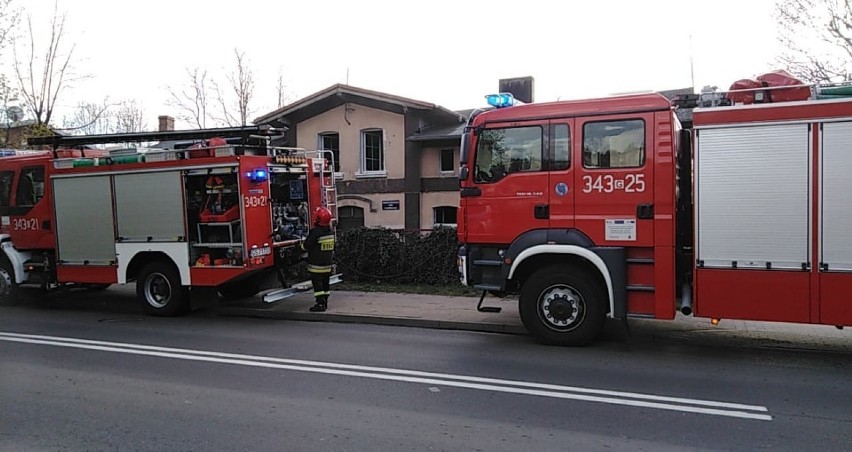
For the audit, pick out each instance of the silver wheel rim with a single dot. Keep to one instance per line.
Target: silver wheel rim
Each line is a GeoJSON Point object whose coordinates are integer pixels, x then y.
{"type": "Point", "coordinates": [561, 308]}
{"type": "Point", "coordinates": [158, 290]}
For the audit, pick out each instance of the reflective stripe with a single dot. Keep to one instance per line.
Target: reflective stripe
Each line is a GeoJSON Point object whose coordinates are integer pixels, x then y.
{"type": "Point", "coordinates": [321, 293]}
{"type": "Point", "coordinates": [319, 268]}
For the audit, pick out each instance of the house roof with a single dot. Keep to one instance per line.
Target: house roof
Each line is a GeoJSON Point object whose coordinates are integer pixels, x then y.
{"type": "Point", "coordinates": [340, 94]}
{"type": "Point", "coordinates": [448, 132]}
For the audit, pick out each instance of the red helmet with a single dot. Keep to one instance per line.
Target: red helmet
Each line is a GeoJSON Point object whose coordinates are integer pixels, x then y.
{"type": "Point", "coordinates": [323, 216]}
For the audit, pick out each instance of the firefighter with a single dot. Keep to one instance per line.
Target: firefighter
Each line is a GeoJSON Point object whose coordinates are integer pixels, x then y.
{"type": "Point", "coordinates": [320, 248]}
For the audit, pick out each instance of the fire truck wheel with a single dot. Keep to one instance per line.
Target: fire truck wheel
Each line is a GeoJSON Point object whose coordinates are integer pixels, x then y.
{"type": "Point", "coordinates": [8, 287]}
{"type": "Point", "coordinates": [158, 286]}
{"type": "Point", "coordinates": [562, 306]}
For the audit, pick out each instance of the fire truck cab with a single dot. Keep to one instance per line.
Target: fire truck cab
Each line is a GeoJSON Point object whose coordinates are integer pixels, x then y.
{"type": "Point", "coordinates": [216, 208]}
{"type": "Point", "coordinates": [607, 207]}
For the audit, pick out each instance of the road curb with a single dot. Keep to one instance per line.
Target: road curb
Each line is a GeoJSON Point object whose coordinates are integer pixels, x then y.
{"type": "Point", "coordinates": [392, 321]}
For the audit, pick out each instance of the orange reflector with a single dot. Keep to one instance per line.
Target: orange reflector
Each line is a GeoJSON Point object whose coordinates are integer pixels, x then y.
{"type": "Point", "coordinates": [507, 261]}
{"type": "Point", "coordinates": [714, 321]}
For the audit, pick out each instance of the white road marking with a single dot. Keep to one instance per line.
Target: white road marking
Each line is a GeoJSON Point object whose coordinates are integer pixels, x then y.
{"type": "Point", "coordinates": [412, 376]}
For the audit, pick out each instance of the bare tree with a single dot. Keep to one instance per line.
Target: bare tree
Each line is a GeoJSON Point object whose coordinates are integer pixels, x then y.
{"type": "Point", "coordinates": [192, 101]}
{"type": "Point", "coordinates": [89, 118]}
{"type": "Point", "coordinates": [281, 89]}
{"type": "Point", "coordinates": [129, 117]}
{"type": "Point", "coordinates": [42, 80]}
{"type": "Point", "coordinates": [817, 38]}
{"type": "Point", "coordinates": [9, 17]}
{"type": "Point", "coordinates": [235, 105]}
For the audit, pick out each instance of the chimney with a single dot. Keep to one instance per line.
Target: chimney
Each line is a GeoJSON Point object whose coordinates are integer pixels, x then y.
{"type": "Point", "coordinates": [166, 123]}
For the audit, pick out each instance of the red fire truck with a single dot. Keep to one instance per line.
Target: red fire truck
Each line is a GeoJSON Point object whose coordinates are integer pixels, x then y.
{"type": "Point", "coordinates": [214, 208]}
{"type": "Point", "coordinates": [610, 208]}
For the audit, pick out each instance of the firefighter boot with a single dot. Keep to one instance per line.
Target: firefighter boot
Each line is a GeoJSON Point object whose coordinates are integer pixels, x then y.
{"type": "Point", "coordinates": [319, 306]}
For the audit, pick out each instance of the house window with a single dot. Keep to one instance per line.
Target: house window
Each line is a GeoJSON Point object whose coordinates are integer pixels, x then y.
{"type": "Point", "coordinates": [372, 151]}
{"type": "Point", "coordinates": [330, 141]}
{"type": "Point", "coordinates": [444, 216]}
{"type": "Point", "coordinates": [447, 163]}
{"type": "Point", "coordinates": [350, 217]}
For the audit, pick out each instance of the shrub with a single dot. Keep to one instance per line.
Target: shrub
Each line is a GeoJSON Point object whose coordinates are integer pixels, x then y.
{"type": "Point", "coordinates": [378, 255]}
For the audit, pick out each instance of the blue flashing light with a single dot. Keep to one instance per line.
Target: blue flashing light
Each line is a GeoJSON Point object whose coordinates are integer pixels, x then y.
{"type": "Point", "coordinates": [258, 175]}
{"type": "Point", "coordinates": [500, 100]}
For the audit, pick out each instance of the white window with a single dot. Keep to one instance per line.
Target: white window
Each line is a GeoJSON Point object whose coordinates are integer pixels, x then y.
{"type": "Point", "coordinates": [330, 141]}
{"type": "Point", "coordinates": [448, 165]}
{"type": "Point", "coordinates": [373, 152]}
{"type": "Point", "coordinates": [444, 216]}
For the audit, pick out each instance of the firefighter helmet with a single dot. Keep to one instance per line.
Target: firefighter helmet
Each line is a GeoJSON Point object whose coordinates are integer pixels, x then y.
{"type": "Point", "coordinates": [323, 216]}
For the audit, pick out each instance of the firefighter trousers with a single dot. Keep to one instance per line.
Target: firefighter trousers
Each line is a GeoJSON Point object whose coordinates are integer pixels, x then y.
{"type": "Point", "coordinates": [322, 289]}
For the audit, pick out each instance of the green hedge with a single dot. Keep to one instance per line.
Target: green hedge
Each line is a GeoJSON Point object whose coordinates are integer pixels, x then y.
{"type": "Point", "coordinates": [380, 255]}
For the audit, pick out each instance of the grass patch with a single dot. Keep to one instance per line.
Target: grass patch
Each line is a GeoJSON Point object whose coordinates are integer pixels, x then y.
{"type": "Point", "coordinates": [451, 290]}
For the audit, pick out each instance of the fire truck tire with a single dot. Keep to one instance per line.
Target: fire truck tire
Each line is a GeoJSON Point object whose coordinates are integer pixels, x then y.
{"type": "Point", "coordinates": [158, 287]}
{"type": "Point", "coordinates": [9, 292]}
{"type": "Point", "coordinates": [562, 306]}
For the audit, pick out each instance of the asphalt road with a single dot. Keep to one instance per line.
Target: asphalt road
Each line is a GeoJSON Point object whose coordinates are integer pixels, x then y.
{"type": "Point", "coordinates": [99, 378]}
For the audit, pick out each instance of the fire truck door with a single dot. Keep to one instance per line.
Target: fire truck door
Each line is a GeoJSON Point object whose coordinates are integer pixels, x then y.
{"type": "Point", "coordinates": [511, 190]}
{"type": "Point", "coordinates": [30, 213]}
{"type": "Point", "coordinates": [561, 174]}
{"type": "Point", "coordinates": [614, 177]}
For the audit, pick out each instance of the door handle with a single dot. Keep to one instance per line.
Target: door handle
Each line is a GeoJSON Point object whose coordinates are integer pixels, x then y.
{"type": "Point", "coordinates": [645, 211]}
{"type": "Point", "coordinates": [542, 211]}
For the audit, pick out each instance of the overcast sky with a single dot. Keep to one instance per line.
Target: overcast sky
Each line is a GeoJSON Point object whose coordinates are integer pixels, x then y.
{"type": "Point", "coordinates": [447, 52]}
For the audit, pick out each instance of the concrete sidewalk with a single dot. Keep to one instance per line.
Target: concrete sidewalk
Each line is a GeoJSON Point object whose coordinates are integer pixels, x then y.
{"type": "Point", "coordinates": [459, 313]}
{"type": "Point", "coordinates": [425, 311]}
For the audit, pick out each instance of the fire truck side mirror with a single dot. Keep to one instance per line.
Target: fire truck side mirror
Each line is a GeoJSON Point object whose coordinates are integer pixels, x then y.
{"type": "Point", "coordinates": [465, 148]}
{"type": "Point", "coordinates": [463, 172]}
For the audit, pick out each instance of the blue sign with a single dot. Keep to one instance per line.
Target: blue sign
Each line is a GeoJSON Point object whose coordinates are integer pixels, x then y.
{"type": "Point", "coordinates": [390, 205]}
{"type": "Point", "coordinates": [562, 189]}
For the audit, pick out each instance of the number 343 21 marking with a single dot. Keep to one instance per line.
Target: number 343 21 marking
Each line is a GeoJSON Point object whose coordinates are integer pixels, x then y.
{"type": "Point", "coordinates": [255, 201]}
{"type": "Point", "coordinates": [25, 224]}
{"type": "Point", "coordinates": [607, 183]}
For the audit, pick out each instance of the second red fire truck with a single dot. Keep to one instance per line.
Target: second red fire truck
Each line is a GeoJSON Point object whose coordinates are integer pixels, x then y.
{"type": "Point", "coordinates": [218, 208]}
{"type": "Point", "coordinates": [609, 208]}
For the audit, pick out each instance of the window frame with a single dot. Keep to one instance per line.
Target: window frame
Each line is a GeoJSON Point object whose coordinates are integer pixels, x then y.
{"type": "Point", "coordinates": [643, 157]}
{"type": "Point", "coordinates": [435, 211]}
{"type": "Point", "coordinates": [542, 156]}
{"type": "Point", "coordinates": [551, 157]}
{"type": "Point", "coordinates": [9, 192]}
{"type": "Point", "coordinates": [452, 170]}
{"type": "Point", "coordinates": [343, 221]}
{"type": "Point", "coordinates": [338, 172]}
{"type": "Point", "coordinates": [363, 171]}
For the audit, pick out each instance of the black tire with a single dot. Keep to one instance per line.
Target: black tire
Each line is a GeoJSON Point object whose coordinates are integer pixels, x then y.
{"type": "Point", "coordinates": [563, 306]}
{"type": "Point", "coordinates": [158, 288]}
{"type": "Point", "coordinates": [9, 291]}
{"type": "Point", "coordinates": [240, 290]}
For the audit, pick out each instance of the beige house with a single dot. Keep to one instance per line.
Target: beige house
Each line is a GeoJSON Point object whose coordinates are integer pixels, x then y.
{"type": "Point", "coordinates": [396, 159]}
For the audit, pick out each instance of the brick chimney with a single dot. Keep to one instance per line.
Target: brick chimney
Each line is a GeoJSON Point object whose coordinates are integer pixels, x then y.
{"type": "Point", "coordinates": [166, 123]}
